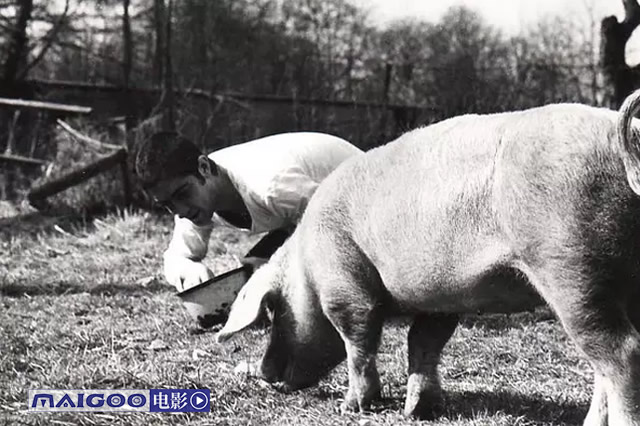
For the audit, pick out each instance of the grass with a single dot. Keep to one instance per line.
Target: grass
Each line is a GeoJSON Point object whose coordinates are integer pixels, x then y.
{"type": "Point", "coordinates": [83, 306]}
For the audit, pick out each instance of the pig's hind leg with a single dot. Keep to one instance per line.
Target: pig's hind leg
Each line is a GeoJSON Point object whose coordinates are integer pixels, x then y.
{"type": "Point", "coordinates": [590, 305]}
{"type": "Point", "coordinates": [428, 335]}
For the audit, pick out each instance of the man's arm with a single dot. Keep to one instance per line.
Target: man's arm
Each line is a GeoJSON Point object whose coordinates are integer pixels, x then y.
{"type": "Point", "coordinates": [289, 195]}
{"type": "Point", "coordinates": [183, 267]}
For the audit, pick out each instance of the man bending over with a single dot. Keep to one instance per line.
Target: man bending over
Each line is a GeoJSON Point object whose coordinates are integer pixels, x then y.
{"type": "Point", "coordinates": [263, 185]}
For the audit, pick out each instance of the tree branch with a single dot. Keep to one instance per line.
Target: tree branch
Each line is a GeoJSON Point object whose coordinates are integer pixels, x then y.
{"type": "Point", "coordinates": [86, 139]}
{"type": "Point", "coordinates": [135, 68]}
{"type": "Point", "coordinates": [49, 39]}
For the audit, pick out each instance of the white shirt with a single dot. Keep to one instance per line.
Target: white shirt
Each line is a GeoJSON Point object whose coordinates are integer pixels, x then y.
{"type": "Point", "coordinates": [275, 176]}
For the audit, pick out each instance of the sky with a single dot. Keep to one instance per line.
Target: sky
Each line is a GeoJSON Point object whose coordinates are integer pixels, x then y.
{"type": "Point", "coordinates": [509, 15]}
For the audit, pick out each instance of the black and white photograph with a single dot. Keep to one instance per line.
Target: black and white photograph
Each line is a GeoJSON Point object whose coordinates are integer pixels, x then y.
{"type": "Point", "coordinates": [319, 212]}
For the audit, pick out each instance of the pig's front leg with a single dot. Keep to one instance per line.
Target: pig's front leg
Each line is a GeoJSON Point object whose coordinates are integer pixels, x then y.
{"type": "Point", "coordinates": [364, 381]}
{"type": "Point", "coordinates": [427, 337]}
{"type": "Point", "coordinates": [360, 326]}
{"type": "Point", "coordinates": [353, 298]}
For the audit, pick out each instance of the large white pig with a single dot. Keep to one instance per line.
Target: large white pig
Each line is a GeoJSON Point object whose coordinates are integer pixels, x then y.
{"type": "Point", "coordinates": [480, 213]}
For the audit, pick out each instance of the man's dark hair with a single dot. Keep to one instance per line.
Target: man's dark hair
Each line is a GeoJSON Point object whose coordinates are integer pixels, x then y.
{"type": "Point", "coordinates": [165, 155]}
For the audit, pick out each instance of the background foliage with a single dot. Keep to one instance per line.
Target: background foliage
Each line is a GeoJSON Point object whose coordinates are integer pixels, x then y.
{"type": "Point", "coordinates": [226, 71]}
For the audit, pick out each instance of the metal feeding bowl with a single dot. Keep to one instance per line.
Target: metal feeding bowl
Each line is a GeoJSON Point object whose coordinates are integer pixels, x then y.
{"type": "Point", "coordinates": [209, 302]}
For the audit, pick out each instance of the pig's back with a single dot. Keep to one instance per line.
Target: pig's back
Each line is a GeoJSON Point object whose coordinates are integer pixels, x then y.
{"type": "Point", "coordinates": [433, 209]}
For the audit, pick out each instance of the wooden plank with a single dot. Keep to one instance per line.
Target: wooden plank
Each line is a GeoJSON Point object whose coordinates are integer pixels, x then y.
{"type": "Point", "coordinates": [203, 94]}
{"type": "Point", "coordinates": [41, 105]}
{"type": "Point", "coordinates": [10, 158]}
{"type": "Point", "coordinates": [77, 176]}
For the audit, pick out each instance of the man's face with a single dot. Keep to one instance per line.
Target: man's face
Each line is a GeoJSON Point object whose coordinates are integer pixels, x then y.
{"type": "Point", "coordinates": [192, 197]}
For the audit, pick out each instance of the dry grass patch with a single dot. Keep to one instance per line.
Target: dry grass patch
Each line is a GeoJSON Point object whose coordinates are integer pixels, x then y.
{"type": "Point", "coordinates": [83, 306]}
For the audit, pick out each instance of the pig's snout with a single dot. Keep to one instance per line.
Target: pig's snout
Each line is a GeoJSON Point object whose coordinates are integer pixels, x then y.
{"type": "Point", "coordinates": [286, 377]}
{"type": "Point", "coordinates": [270, 372]}
{"type": "Point", "coordinates": [273, 365]}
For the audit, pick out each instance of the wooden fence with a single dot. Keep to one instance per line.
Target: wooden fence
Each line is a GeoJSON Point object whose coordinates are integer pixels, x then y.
{"type": "Point", "coordinates": [13, 164]}
{"type": "Point", "coordinates": [212, 120]}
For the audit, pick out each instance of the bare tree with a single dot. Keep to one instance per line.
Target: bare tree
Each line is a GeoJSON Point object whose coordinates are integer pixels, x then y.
{"type": "Point", "coordinates": [24, 52]}
{"type": "Point", "coordinates": [127, 55]}
{"type": "Point", "coordinates": [20, 56]}
{"type": "Point", "coordinates": [620, 79]}
{"type": "Point", "coordinates": [127, 45]}
{"type": "Point", "coordinates": [158, 24]}
{"type": "Point", "coordinates": [590, 34]}
{"type": "Point", "coordinates": [167, 102]}
{"type": "Point", "coordinates": [18, 45]}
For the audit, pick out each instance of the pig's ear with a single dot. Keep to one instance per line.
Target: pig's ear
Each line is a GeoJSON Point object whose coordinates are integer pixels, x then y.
{"type": "Point", "coordinates": [247, 307]}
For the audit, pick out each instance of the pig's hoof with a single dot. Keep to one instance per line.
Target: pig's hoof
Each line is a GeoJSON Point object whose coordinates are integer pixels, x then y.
{"type": "Point", "coordinates": [349, 406]}
{"type": "Point", "coordinates": [375, 393]}
{"type": "Point", "coordinates": [424, 407]}
{"type": "Point", "coordinates": [282, 387]}
{"type": "Point", "coordinates": [352, 404]}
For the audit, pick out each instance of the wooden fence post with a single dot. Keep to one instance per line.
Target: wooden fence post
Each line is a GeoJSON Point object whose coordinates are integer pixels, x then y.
{"type": "Point", "coordinates": [126, 182]}
{"type": "Point", "coordinates": [385, 101]}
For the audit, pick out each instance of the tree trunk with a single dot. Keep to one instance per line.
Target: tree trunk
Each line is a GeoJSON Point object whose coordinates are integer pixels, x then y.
{"type": "Point", "coordinates": [127, 48]}
{"type": "Point", "coordinates": [620, 79]}
{"type": "Point", "coordinates": [158, 24]}
{"type": "Point", "coordinates": [17, 54]}
{"type": "Point", "coordinates": [12, 83]}
{"type": "Point", "coordinates": [128, 106]}
{"type": "Point", "coordinates": [167, 103]}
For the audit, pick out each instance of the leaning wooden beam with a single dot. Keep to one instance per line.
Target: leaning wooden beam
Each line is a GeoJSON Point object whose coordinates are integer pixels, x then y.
{"type": "Point", "coordinates": [77, 176]}
{"type": "Point", "coordinates": [49, 106]}
{"type": "Point", "coordinates": [86, 139]}
{"type": "Point", "coordinates": [9, 158]}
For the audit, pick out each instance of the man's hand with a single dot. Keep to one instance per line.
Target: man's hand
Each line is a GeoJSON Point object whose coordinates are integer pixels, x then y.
{"type": "Point", "coordinates": [184, 273]}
